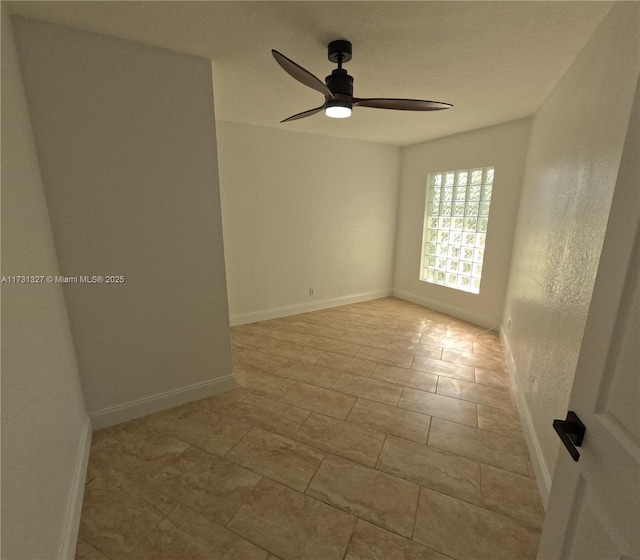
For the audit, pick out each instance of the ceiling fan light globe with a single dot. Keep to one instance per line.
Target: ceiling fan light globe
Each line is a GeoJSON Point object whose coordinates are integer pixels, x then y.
{"type": "Point", "coordinates": [337, 111]}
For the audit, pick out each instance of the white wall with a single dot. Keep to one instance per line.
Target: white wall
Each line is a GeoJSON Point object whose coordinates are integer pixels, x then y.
{"type": "Point", "coordinates": [304, 211]}
{"type": "Point", "coordinates": [503, 146]}
{"type": "Point", "coordinates": [126, 139]}
{"type": "Point", "coordinates": [576, 145]}
{"type": "Point", "coordinates": [45, 429]}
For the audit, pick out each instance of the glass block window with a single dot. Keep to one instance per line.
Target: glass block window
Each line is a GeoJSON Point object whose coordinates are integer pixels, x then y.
{"type": "Point", "coordinates": [456, 217]}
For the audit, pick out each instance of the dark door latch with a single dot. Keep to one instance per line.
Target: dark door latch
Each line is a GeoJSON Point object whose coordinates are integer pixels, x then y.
{"type": "Point", "coordinates": [571, 432]}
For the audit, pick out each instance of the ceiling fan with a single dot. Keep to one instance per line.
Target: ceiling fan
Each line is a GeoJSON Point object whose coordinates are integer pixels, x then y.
{"type": "Point", "coordinates": [338, 88]}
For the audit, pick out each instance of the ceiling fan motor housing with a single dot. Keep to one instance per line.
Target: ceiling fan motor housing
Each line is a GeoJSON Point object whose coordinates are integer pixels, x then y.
{"type": "Point", "coordinates": [340, 84]}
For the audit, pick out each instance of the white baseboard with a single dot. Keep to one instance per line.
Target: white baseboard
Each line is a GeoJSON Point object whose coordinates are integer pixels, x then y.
{"type": "Point", "coordinates": [448, 309]}
{"type": "Point", "coordinates": [296, 309]}
{"type": "Point", "coordinates": [155, 403]}
{"type": "Point", "coordinates": [74, 506]}
{"type": "Point", "coordinates": [543, 477]}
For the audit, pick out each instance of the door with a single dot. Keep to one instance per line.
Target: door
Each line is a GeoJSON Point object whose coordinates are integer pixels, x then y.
{"type": "Point", "coordinates": [594, 505]}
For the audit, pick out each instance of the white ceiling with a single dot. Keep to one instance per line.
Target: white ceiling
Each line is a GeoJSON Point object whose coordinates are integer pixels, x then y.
{"type": "Point", "coordinates": [495, 61]}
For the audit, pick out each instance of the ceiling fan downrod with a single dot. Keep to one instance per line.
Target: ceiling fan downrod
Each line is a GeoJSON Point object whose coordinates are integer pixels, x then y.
{"type": "Point", "coordinates": [339, 82]}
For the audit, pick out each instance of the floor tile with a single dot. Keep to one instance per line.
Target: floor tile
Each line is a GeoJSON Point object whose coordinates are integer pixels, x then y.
{"type": "Point", "coordinates": [370, 542]}
{"type": "Point", "coordinates": [462, 330]}
{"type": "Point", "coordinates": [259, 360]}
{"type": "Point", "coordinates": [451, 474]}
{"type": "Point", "coordinates": [84, 551]}
{"type": "Point", "coordinates": [255, 341]}
{"type": "Point", "coordinates": [368, 388]}
{"type": "Point", "coordinates": [236, 347]}
{"type": "Point", "coordinates": [379, 321]}
{"type": "Point", "coordinates": [200, 427]}
{"type": "Point", "coordinates": [357, 365]}
{"type": "Point", "coordinates": [206, 484]}
{"type": "Point", "coordinates": [406, 377]}
{"type": "Point", "coordinates": [500, 421]}
{"type": "Point", "coordinates": [457, 344]}
{"type": "Point", "coordinates": [467, 532]}
{"type": "Point", "coordinates": [438, 406]}
{"type": "Point", "coordinates": [161, 419]}
{"type": "Point", "coordinates": [369, 494]}
{"type": "Point", "coordinates": [279, 458]}
{"type": "Point", "coordinates": [428, 328]}
{"type": "Point", "coordinates": [321, 319]}
{"type": "Point", "coordinates": [380, 342]}
{"type": "Point", "coordinates": [417, 349]}
{"type": "Point", "coordinates": [221, 402]}
{"type": "Point", "coordinates": [487, 361]}
{"type": "Point", "coordinates": [290, 335]}
{"type": "Point", "coordinates": [391, 420]}
{"type": "Point", "coordinates": [307, 373]}
{"type": "Point", "coordinates": [186, 534]}
{"type": "Point", "coordinates": [448, 369]}
{"type": "Point", "coordinates": [324, 401]}
{"type": "Point", "coordinates": [134, 453]}
{"type": "Point", "coordinates": [499, 450]}
{"type": "Point", "coordinates": [340, 313]}
{"type": "Point", "coordinates": [352, 327]}
{"type": "Point", "coordinates": [292, 525]}
{"type": "Point", "coordinates": [393, 358]}
{"type": "Point", "coordinates": [299, 326]}
{"type": "Point", "coordinates": [293, 351]}
{"type": "Point", "coordinates": [265, 413]}
{"type": "Point", "coordinates": [261, 383]}
{"type": "Point", "coordinates": [113, 520]}
{"type": "Point", "coordinates": [474, 392]}
{"type": "Point", "coordinates": [263, 329]}
{"type": "Point", "coordinates": [352, 441]}
{"type": "Point", "coordinates": [433, 338]}
{"type": "Point", "coordinates": [398, 334]}
{"type": "Point", "coordinates": [513, 495]}
{"type": "Point", "coordinates": [494, 377]}
{"type": "Point", "coordinates": [337, 346]}
{"type": "Point", "coordinates": [488, 345]}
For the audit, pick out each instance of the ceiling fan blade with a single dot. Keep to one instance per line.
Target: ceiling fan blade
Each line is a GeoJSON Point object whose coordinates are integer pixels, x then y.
{"type": "Point", "coordinates": [299, 73]}
{"type": "Point", "coordinates": [304, 114]}
{"type": "Point", "coordinates": [402, 104]}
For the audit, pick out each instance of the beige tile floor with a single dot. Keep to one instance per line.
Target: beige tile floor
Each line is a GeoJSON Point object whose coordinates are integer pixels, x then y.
{"type": "Point", "coordinates": [378, 430]}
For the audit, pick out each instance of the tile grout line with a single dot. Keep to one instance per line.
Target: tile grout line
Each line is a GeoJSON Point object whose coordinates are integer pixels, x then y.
{"type": "Point", "coordinates": [426, 443]}
{"type": "Point", "coordinates": [481, 492]}
{"type": "Point", "coordinates": [415, 518]}
{"type": "Point", "coordinates": [238, 442]}
{"type": "Point", "coordinates": [352, 407]}
{"type": "Point", "coordinates": [314, 474]}
{"type": "Point", "coordinates": [346, 550]}
{"type": "Point", "coordinates": [377, 463]}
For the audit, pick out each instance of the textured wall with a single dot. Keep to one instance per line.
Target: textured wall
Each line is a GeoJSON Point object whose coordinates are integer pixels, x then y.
{"type": "Point", "coordinates": [575, 149]}
{"type": "Point", "coordinates": [503, 146]}
{"type": "Point", "coordinates": [304, 211]}
{"type": "Point", "coordinates": [126, 139]}
{"type": "Point", "coordinates": [44, 423]}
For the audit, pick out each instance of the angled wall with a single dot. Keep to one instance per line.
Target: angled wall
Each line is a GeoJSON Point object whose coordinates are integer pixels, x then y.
{"type": "Point", "coordinates": [45, 429]}
{"type": "Point", "coordinates": [575, 150]}
{"type": "Point", "coordinates": [126, 139]}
